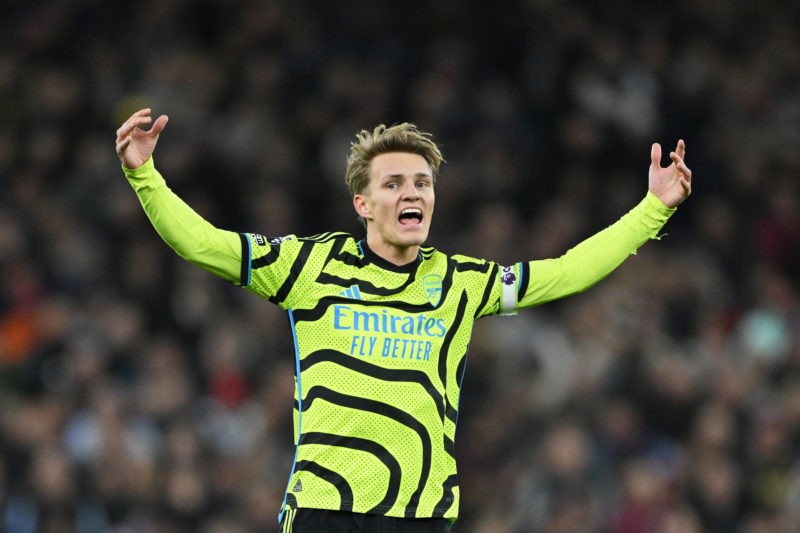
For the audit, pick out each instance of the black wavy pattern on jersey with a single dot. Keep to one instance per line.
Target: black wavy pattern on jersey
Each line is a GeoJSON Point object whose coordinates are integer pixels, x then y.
{"type": "Point", "coordinates": [368, 446]}
{"type": "Point", "coordinates": [267, 259]}
{"type": "Point", "coordinates": [448, 338]}
{"type": "Point", "coordinates": [374, 371]}
{"type": "Point", "coordinates": [338, 254]}
{"type": "Point", "coordinates": [305, 250]}
{"type": "Point", "coordinates": [447, 496]}
{"type": "Point", "coordinates": [389, 411]}
{"type": "Point", "coordinates": [488, 291]}
{"type": "Point", "coordinates": [326, 236]}
{"type": "Point", "coordinates": [365, 286]}
{"type": "Point", "coordinates": [243, 272]}
{"type": "Point", "coordinates": [457, 265]}
{"type": "Point", "coordinates": [471, 266]}
{"type": "Point", "coordinates": [450, 410]}
{"type": "Point", "coordinates": [447, 280]}
{"type": "Point", "coordinates": [450, 446]}
{"type": "Point", "coordinates": [294, 272]}
{"type": "Point", "coordinates": [525, 275]}
{"type": "Point", "coordinates": [291, 501]}
{"type": "Point", "coordinates": [335, 479]}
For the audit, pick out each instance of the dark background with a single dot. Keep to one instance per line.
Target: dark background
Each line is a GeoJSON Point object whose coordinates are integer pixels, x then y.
{"type": "Point", "coordinates": [139, 393]}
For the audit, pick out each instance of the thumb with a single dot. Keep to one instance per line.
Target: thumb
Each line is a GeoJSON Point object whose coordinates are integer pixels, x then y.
{"type": "Point", "coordinates": [655, 156]}
{"type": "Point", "coordinates": [159, 125]}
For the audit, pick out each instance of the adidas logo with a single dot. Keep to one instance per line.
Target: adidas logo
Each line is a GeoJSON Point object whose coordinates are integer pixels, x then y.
{"type": "Point", "coordinates": [298, 487]}
{"type": "Point", "coordinates": [352, 292]}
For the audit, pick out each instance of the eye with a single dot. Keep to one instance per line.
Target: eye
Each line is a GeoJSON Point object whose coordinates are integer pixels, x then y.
{"type": "Point", "coordinates": [423, 184]}
{"type": "Point", "coordinates": [391, 185]}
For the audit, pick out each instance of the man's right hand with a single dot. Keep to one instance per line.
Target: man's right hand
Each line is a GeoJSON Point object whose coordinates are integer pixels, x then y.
{"type": "Point", "coordinates": [135, 145]}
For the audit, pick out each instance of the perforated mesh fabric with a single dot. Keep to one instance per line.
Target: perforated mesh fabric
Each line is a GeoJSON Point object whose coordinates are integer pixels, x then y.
{"type": "Point", "coordinates": [379, 349]}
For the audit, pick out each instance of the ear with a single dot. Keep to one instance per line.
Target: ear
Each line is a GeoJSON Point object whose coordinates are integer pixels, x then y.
{"type": "Point", "coordinates": [360, 204]}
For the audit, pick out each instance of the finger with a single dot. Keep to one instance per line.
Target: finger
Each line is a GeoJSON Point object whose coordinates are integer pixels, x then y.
{"type": "Point", "coordinates": [159, 125]}
{"type": "Point", "coordinates": [687, 186]}
{"type": "Point", "coordinates": [142, 112]}
{"type": "Point", "coordinates": [655, 155]}
{"type": "Point", "coordinates": [686, 171]}
{"type": "Point", "coordinates": [677, 159]}
{"type": "Point", "coordinates": [131, 123]}
{"type": "Point", "coordinates": [680, 164]}
{"type": "Point", "coordinates": [123, 144]}
{"type": "Point", "coordinates": [680, 149]}
{"type": "Point", "coordinates": [137, 117]}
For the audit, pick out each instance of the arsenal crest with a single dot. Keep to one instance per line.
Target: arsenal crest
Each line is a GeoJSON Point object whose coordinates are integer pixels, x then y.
{"type": "Point", "coordinates": [432, 285]}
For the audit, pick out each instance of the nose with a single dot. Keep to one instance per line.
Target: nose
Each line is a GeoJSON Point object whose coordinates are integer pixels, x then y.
{"type": "Point", "coordinates": [410, 191]}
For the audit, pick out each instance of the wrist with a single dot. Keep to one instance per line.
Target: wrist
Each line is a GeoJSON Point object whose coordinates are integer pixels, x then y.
{"type": "Point", "coordinates": [144, 177]}
{"type": "Point", "coordinates": [144, 167]}
{"type": "Point", "coordinates": [654, 201]}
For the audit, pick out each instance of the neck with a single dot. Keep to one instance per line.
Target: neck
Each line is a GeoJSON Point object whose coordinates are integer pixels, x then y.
{"type": "Point", "coordinates": [397, 255]}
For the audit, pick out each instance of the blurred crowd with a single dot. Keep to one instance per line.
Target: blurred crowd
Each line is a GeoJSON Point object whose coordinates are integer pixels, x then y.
{"type": "Point", "coordinates": [140, 393]}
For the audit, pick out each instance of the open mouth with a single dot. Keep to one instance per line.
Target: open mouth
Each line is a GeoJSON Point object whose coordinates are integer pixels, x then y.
{"type": "Point", "coordinates": [410, 216]}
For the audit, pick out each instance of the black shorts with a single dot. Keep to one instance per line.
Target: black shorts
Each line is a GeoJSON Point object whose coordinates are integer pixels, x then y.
{"type": "Point", "coordinates": [324, 521]}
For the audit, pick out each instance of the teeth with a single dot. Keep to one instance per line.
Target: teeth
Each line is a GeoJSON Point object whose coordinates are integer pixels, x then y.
{"type": "Point", "coordinates": [408, 210]}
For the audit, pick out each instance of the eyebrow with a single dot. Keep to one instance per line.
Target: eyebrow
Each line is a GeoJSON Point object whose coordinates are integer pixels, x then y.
{"type": "Point", "coordinates": [400, 175]}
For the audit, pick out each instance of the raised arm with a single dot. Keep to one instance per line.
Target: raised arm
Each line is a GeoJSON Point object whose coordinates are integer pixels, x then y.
{"type": "Point", "coordinates": [185, 231]}
{"type": "Point", "coordinates": [596, 257]}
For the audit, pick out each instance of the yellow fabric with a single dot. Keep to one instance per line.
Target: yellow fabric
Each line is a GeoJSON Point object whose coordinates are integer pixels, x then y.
{"type": "Point", "coordinates": [380, 349]}
{"type": "Point", "coordinates": [596, 257]}
{"type": "Point", "coordinates": [380, 353]}
{"type": "Point", "coordinates": [184, 230]}
{"type": "Point", "coordinates": [220, 251]}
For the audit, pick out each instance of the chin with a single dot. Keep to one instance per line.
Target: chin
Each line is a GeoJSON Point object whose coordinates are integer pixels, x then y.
{"type": "Point", "coordinates": [417, 241]}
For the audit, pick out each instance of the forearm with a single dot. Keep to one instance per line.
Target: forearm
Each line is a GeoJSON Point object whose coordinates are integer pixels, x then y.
{"type": "Point", "coordinates": [596, 257]}
{"type": "Point", "coordinates": [190, 235]}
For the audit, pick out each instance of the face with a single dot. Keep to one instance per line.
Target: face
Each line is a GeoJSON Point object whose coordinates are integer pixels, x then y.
{"type": "Point", "coordinates": [397, 205]}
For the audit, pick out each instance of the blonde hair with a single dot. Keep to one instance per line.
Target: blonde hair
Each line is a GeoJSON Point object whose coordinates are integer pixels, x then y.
{"type": "Point", "coordinates": [403, 137]}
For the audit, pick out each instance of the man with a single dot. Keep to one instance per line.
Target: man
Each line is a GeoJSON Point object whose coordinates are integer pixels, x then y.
{"type": "Point", "coordinates": [381, 325]}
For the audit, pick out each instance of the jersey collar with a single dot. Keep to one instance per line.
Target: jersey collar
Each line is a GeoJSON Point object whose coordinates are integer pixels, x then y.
{"type": "Point", "coordinates": [372, 257]}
